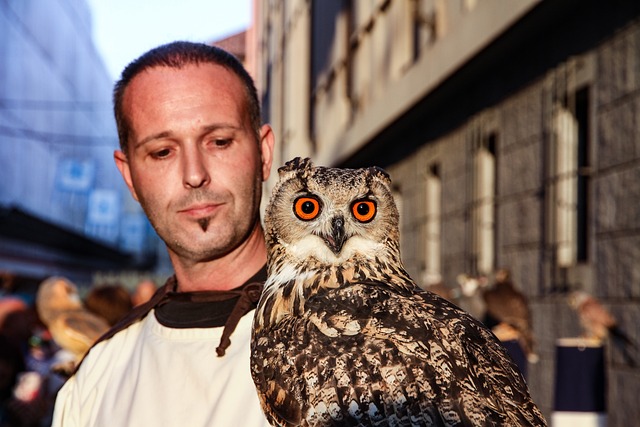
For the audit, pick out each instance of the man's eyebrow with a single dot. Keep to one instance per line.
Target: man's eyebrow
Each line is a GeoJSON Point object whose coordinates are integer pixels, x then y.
{"type": "Point", "coordinates": [220, 126]}
{"type": "Point", "coordinates": [205, 129]}
{"type": "Point", "coordinates": [155, 136]}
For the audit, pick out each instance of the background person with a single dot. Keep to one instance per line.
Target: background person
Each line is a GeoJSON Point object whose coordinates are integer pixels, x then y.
{"type": "Point", "coordinates": [111, 302]}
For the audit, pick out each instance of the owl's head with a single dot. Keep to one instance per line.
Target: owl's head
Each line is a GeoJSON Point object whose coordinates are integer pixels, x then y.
{"type": "Point", "coordinates": [56, 294]}
{"type": "Point", "coordinates": [330, 214]}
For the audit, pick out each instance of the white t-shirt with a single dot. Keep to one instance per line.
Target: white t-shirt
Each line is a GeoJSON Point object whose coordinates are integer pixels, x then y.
{"type": "Point", "coordinates": [151, 375]}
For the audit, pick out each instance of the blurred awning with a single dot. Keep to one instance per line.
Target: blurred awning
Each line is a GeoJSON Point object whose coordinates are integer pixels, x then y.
{"type": "Point", "coordinates": [29, 244]}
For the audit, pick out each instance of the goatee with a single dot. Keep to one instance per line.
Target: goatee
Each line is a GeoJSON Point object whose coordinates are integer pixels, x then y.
{"type": "Point", "coordinates": [204, 223]}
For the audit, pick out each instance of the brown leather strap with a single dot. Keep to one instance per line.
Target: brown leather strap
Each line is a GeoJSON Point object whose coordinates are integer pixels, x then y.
{"type": "Point", "coordinates": [248, 294]}
{"type": "Point", "coordinates": [140, 312]}
{"type": "Point", "coordinates": [137, 313]}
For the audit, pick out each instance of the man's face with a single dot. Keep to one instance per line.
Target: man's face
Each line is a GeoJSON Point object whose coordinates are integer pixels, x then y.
{"type": "Point", "coordinates": [193, 162]}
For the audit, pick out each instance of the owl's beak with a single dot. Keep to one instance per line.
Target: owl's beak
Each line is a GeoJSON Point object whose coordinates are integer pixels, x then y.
{"type": "Point", "coordinates": [335, 240]}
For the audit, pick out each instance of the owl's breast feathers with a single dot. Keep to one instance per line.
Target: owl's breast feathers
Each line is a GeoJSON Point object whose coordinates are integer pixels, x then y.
{"type": "Point", "coordinates": [290, 286]}
{"type": "Point", "coordinates": [375, 354]}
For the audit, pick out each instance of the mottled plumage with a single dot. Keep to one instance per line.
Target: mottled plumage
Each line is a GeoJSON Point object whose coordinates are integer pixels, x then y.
{"type": "Point", "coordinates": [598, 324]}
{"type": "Point", "coordinates": [595, 319]}
{"type": "Point", "coordinates": [343, 336]}
{"type": "Point", "coordinates": [72, 327]}
{"type": "Point", "coordinates": [508, 314]}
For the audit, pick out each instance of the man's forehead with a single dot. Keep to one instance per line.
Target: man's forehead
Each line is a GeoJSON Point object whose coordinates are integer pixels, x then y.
{"type": "Point", "coordinates": [158, 81]}
{"type": "Point", "coordinates": [216, 71]}
{"type": "Point", "coordinates": [164, 97]}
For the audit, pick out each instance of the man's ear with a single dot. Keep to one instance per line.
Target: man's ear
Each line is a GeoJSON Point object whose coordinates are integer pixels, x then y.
{"type": "Point", "coordinates": [123, 166]}
{"type": "Point", "coordinates": [267, 141]}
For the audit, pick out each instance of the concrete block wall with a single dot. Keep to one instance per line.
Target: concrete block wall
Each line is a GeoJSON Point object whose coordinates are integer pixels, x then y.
{"type": "Point", "coordinates": [617, 209]}
{"type": "Point", "coordinates": [612, 271]}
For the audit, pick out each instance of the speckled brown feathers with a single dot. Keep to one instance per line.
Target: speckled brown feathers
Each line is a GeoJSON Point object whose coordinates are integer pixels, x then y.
{"type": "Point", "coordinates": [342, 335]}
{"type": "Point", "coordinates": [508, 313]}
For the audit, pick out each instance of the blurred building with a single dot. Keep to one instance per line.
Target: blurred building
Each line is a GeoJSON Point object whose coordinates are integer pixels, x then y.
{"type": "Point", "coordinates": [63, 206]}
{"type": "Point", "coordinates": [235, 44]}
{"type": "Point", "coordinates": [510, 128]}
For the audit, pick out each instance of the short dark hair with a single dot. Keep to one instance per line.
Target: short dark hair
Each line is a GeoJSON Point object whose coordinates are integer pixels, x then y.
{"type": "Point", "coordinates": [177, 55]}
{"type": "Point", "coordinates": [110, 302]}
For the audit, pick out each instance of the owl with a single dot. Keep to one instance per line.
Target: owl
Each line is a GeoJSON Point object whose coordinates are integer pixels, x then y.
{"type": "Point", "coordinates": [343, 336]}
{"type": "Point", "coordinates": [508, 313]}
{"type": "Point", "coordinates": [598, 324]}
{"type": "Point", "coordinates": [72, 327]}
{"type": "Point", "coordinates": [596, 321]}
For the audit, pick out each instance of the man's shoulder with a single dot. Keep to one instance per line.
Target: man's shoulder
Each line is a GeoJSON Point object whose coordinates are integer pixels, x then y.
{"type": "Point", "coordinates": [104, 352]}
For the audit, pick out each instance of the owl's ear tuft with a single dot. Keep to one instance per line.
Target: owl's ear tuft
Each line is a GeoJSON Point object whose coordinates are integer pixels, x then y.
{"type": "Point", "coordinates": [380, 173]}
{"type": "Point", "coordinates": [294, 165]}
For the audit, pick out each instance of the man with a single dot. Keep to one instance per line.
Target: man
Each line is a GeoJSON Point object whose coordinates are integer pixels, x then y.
{"type": "Point", "coordinates": [194, 155]}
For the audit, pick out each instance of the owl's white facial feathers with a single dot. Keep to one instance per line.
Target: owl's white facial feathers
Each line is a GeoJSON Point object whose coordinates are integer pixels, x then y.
{"type": "Point", "coordinates": [314, 246]}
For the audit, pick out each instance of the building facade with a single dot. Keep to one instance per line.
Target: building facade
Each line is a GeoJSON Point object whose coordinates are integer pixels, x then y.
{"type": "Point", "coordinates": [510, 130]}
{"type": "Point", "coordinates": [64, 207]}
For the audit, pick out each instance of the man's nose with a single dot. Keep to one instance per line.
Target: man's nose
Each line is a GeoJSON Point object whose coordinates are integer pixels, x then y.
{"type": "Point", "coordinates": [195, 170]}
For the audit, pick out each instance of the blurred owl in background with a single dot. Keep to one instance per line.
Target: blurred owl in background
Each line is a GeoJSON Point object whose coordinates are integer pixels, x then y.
{"type": "Point", "coordinates": [72, 327]}
{"type": "Point", "coordinates": [508, 313]}
{"type": "Point", "coordinates": [599, 324]}
{"type": "Point", "coordinates": [596, 321]}
{"type": "Point", "coordinates": [343, 336]}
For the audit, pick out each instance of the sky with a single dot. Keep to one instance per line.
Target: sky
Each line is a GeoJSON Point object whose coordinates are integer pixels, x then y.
{"type": "Point", "coordinates": [124, 29]}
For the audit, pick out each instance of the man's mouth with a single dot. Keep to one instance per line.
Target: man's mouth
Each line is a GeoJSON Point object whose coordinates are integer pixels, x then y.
{"type": "Point", "coordinates": [200, 210]}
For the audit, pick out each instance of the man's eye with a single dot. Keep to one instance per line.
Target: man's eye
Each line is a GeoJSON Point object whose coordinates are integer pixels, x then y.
{"type": "Point", "coordinates": [160, 154]}
{"type": "Point", "coordinates": [221, 142]}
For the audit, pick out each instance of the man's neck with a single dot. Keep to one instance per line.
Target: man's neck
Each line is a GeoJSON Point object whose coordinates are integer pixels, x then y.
{"type": "Point", "coordinates": [224, 273]}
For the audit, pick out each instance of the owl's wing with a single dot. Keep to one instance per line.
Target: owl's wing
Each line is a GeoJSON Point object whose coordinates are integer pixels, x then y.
{"type": "Point", "coordinates": [470, 366]}
{"type": "Point", "coordinates": [277, 379]}
{"type": "Point", "coordinates": [367, 353]}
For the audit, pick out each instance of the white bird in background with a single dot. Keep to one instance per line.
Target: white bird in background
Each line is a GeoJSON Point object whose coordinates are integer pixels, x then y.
{"type": "Point", "coordinates": [72, 327]}
{"type": "Point", "coordinates": [599, 324]}
{"type": "Point", "coordinates": [469, 295]}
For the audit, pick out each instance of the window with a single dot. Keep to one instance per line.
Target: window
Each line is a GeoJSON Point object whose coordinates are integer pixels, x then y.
{"type": "Point", "coordinates": [571, 178]}
{"type": "Point", "coordinates": [326, 51]}
{"type": "Point", "coordinates": [433, 220]}
{"type": "Point", "coordinates": [484, 205]}
{"type": "Point", "coordinates": [396, 192]}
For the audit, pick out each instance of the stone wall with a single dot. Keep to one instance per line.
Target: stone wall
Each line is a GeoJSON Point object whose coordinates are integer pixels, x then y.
{"type": "Point", "coordinates": [612, 270]}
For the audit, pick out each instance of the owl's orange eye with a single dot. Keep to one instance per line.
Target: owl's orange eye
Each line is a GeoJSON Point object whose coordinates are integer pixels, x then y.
{"type": "Point", "coordinates": [306, 208]}
{"type": "Point", "coordinates": [364, 210]}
